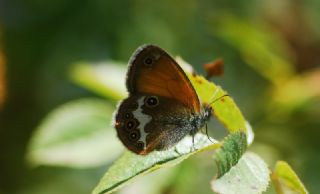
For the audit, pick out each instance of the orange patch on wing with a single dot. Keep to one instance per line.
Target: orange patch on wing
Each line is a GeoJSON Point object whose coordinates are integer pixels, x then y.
{"type": "Point", "coordinates": [167, 79]}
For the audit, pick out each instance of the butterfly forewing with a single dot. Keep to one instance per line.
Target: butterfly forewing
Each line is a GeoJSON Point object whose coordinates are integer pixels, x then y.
{"type": "Point", "coordinates": [153, 71]}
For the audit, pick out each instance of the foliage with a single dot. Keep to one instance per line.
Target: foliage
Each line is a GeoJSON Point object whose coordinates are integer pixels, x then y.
{"type": "Point", "coordinates": [83, 114]}
{"type": "Point", "coordinates": [271, 53]}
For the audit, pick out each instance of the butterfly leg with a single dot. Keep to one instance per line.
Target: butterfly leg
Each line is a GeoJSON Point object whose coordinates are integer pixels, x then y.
{"type": "Point", "coordinates": [193, 148]}
{"type": "Point", "coordinates": [177, 151]}
{"type": "Point", "coordinates": [208, 134]}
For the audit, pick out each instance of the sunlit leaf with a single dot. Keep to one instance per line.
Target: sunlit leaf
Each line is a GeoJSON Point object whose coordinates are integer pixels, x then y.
{"type": "Point", "coordinates": [106, 79]}
{"type": "Point", "coordinates": [250, 176]}
{"type": "Point", "coordinates": [286, 180]}
{"type": "Point", "coordinates": [76, 134]}
{"type": "Point", "coordinates": [131, 165]}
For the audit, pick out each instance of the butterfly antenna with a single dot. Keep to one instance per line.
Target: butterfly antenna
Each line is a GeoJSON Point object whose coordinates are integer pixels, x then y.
{"type": "Point", "coordinates": [215, 100]}
{"type": "Point", "coordinates": [208, 105]}
{"type": "Point", "coordinates": [214, 94]}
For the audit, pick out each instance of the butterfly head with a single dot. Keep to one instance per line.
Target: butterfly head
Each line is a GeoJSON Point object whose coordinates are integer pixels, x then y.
{"type": "Point", "coordinates": [207, 112]}
{"type": "Point", "coordinates": [200, 119]}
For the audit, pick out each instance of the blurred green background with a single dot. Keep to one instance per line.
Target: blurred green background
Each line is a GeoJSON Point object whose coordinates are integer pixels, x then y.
{"type": "Point", "coordinates": [271, 51]}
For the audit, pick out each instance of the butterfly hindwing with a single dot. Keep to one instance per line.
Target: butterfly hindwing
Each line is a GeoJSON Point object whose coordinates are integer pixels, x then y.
{"type": "Point", "coordinates": [143, 128]}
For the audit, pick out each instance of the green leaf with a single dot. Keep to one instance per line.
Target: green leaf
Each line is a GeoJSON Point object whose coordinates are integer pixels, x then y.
{"type": "Point", "coordinates": [76, 134]}
{"type": "Point", "coordinates": [230, 152]}
{"type": "Point", "coordinates": [249, 176]}
{"type": "Point", "coordinates": [106, 79]}
{"type": "Point", "coordinates": [129, 166]}
{"type": "Point", "coordinates": [286, 180]}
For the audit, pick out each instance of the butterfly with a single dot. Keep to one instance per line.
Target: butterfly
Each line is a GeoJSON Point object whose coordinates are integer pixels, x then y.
{"type": "Point", "coordinates": [163, 106]}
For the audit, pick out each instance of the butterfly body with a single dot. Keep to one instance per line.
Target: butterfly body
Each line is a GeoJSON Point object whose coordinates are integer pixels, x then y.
{"type": "Point", "coordinates": [162, 107]}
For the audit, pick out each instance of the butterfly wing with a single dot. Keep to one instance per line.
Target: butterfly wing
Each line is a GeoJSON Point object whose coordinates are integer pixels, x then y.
{"type": "Point", "coordinates": [144, 126]}
{"type": "Point", "coordinates": [153, 71]}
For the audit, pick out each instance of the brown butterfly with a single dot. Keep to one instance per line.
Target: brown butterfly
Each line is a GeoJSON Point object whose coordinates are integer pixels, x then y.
{"type": "Point", "coordinates": [162, 107]}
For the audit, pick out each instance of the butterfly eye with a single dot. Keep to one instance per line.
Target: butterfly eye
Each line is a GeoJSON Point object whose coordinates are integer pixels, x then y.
{"type": "Point", "coordinates": [152, 101]}
{"type": "Point", "coordinates": [148, 61]}
{"type": "Point", "coordinates": [134, 135]}
{"type": "Point", "coordinates": [131, 124]}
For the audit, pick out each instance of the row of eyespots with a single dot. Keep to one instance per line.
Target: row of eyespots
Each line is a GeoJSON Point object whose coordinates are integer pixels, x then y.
{"type": "Point", "coordinates": [151, 102]}
{"type": "Point", "coordinates": [131, 123]}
